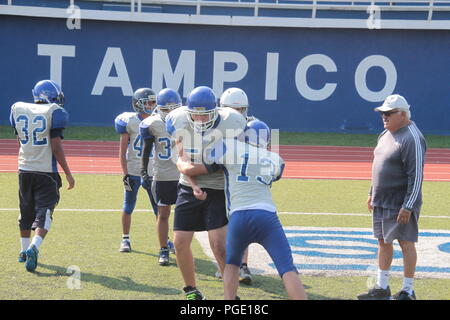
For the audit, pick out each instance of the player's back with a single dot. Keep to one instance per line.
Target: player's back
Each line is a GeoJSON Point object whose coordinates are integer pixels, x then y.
{"type": "Point", "coordinates": [229, 123]}
{"type": "Point", "coordinates": [33, 124]}
{"type": "Point", "coordinates": [249, 173]}
{"type": "Point", "coordinates": [165, 168]}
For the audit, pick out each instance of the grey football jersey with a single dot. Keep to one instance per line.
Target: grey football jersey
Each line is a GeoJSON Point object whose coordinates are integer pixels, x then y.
{"type": "Point", "coordinates": [249, 173]}
{"type": "Point", "coordinates": [229, 123]}
{"type": "Point", "coordinates": [33, 123]}
{"type": "Point", "coordinates": [128, 122]}
{"type": "Point", "coordinates": [165, 168]}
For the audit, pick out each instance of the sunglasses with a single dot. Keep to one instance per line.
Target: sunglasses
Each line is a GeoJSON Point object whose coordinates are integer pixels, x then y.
{"type": "Point", "coordinates": [388, 113]}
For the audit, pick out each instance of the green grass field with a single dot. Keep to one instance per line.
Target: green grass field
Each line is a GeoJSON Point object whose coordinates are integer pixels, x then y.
{"type": "Point", "coordinates": [89, 240]}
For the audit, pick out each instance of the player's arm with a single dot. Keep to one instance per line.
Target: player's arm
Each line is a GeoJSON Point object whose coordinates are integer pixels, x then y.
{"type": "Point", "coordinates": [59, 122]}
{"type": "Point", "coordinates": [60, 156]}
{"type": "Point", "coordinates": [123, 146]}
{"type": "Point", "coordinates": [146, 151]}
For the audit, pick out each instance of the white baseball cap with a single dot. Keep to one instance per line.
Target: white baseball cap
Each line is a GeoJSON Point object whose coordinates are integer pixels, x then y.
{"type": "Point", "coordinates": [392, 102]}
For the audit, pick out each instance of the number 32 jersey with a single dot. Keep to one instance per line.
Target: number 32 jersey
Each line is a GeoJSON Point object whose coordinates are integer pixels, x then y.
{"type": "Point", "coordinates": [33, 124]}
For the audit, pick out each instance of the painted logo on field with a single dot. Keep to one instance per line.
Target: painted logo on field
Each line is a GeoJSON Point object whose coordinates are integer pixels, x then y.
{"type": "Point", "coordinates": [349, 251]}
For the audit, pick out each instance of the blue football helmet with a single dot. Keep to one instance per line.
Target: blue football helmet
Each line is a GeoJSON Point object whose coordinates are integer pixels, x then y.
{"type": "Point", "coordinates": [166, 101]}
{"type": "Point", "coordinates": [257, 133]}
{"type": "Point", "coordinates": [48, 91]}
{"type": "Point", "coordinates": [202, 102]}
{"type": "Point", "coordinates": [144, 100]}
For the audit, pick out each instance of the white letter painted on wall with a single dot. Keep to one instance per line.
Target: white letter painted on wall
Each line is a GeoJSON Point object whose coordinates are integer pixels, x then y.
{"type": "Point", "coordinates": [361, 83]}
{"type": "Point", "coordinates": [113, 58]}
{"type": "Point", "coordinates": [220, 75]}
{"type": "Point", "coordinates": [301, 81]}
{"type": "Point", "coordinates": [184, 71]}
{"type": "Point", "coordinates": [56, 53]}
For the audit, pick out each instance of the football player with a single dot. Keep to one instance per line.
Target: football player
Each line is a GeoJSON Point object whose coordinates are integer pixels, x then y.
{"type": "Point", "coordinates": [195, 127]}
{"type": "Point", "coordinates": [39, 128]}
{"type": "Point", "coordinates": [250, 169]}
{"type": "Point", "coordinates": [237, 99]}
{"type": "Point", "coordinates": [130, 153]}
{"type": "Point", "coordinates": [153, 132]}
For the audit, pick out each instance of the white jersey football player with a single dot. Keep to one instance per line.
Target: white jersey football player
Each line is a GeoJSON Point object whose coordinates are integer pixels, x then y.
{"type": "Point", "coordinates": [130, 153]}
{"type": "Point", "coordinates": [39, 128]}
{"type": "Point", "coordinates": [196, 127]}
{"type": "Point", "coordinates": [153, 133]}
{"type": "Point", "coordinates": [250, 169]}
{"type": "Point", "coordinates": [237, 99]}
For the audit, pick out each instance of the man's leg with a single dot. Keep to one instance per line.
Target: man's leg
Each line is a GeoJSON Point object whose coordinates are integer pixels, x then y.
{"type": "Point", "coordinates": [409, 264]}
{"type": "Point", "coordinates": [385, 256]}
{"type": "Point", "coordinates": [217, 241]}
{"type": "Point", "coordinates": [294, 286]}
{"type": "Point", "coordinates": [185, 259]}
{"type": "Point", "coordinates": [162, 225]}
{"type": "Point", "coordinates": [230, 281]}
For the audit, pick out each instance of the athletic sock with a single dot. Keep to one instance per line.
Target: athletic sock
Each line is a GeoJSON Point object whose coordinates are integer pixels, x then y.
{"type": "Point", "coordinates": [126, 237]}
{"type": "Point", "coordinates": [24, 243]}
{"type": "Point", "coordinates": [408, 285]}
{"type": "Point", "coordinates": [383, 278]}
{"type": "Point", "coordinates": [37, 241]}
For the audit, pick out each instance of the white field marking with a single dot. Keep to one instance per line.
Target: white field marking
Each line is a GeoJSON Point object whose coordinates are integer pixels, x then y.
{"type": "Point", "coordinates": [279, 213]}
{"type": "Point", "coordinates": [320, 251]}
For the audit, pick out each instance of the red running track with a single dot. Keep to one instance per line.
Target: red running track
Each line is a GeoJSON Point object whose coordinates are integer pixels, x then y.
{"type": "Point", "coordinates": [302, 162]}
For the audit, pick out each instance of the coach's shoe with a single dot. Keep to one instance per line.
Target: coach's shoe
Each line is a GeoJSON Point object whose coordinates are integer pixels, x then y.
{"type": "Point", "coordinates": [125, 246]}
{"type": "Point", "coordinates": [245, 276]}
{"type": "Point", "coordinates": [32, 258]}
{"type": "Point", "coordinates": [404, 295]}
{"type": "Point", "coordinates": [22, 256]}
{"type": "Point", "coordinates": [376, 293]}
{"type": "Point", "coordinates": [163, 257]}
{"type": "Point", "coordinates": [193, 293]}
{"type": "Point", "coordinates": [171, 247]}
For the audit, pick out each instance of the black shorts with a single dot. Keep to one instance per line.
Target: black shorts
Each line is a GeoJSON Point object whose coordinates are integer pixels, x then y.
{"type": "Point", "coordinates": [38, 196]}
{"type": "Point", "coordinates": [166, 192]}
{"type": "Point", "coordinates": [192, 214]}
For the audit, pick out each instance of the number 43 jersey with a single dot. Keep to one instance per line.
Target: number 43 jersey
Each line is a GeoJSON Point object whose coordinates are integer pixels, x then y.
{"type": "Point", "coordinates": [33, 124]}
{"type": "Point", "coordinates": [128, 122]}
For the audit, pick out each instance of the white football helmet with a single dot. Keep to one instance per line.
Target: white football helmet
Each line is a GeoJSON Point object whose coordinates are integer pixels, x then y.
{"type": "Point", "coordinates": [235, 98]}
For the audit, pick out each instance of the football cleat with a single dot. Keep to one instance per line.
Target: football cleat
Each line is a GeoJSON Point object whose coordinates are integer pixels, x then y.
{"type": "Point", "coordinates": [32, 258]}
{"type": "Point", "coordinates": [171, 247]}
{"type": "Point", "coordinates": [125, 246]}
{"type": "Point", "coordinates": [376, 293]}
{"type": "Point", "coordinates": [404, 295]}
{"type": "Point", "coordinates": [245, 276]}
{"type": "Point", "coordinates": [193, 293]}
{"type": "Point", "coordinates": [22, 256]}
{"type": "Point", "coordinates": [163, 257]}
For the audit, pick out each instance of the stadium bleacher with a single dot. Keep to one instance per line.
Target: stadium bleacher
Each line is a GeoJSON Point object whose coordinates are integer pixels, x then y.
{"type": "Point", "coordinates": [315, 9]}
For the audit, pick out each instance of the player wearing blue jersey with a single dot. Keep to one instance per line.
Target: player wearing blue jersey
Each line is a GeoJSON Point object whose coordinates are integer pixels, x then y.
{"type": "Point", "coordinates": [153, 132]}
{"type": "Point", "coordinates": [237, 99]}
{"type": "Point", "coordinates": [194, 128]}
{"type": "Point", "coordinates": [39, 128]}
{"type": "Point", "coordinates": [130, 153]}
{"type": "Point", "coordinates": [250, 169]}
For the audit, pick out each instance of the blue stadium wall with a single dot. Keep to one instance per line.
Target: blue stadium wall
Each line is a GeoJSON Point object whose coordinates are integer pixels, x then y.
{"type": "Point", "coordinates": [297, 79]}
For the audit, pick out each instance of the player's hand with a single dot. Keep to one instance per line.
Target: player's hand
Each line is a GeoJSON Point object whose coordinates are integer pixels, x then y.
{"type": "Point", "coordinates": [146, 181]}
{"type": "Point", "coordinates": [199, 193]}
{"type": "Point", "coordinates": [127, 182]}
{"type": "Point", "coordinates": [70, 181]}
{"type": "Point", "coordinates": [369, 203]}
{"type": "Point", "coordinates": [403, 216]}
